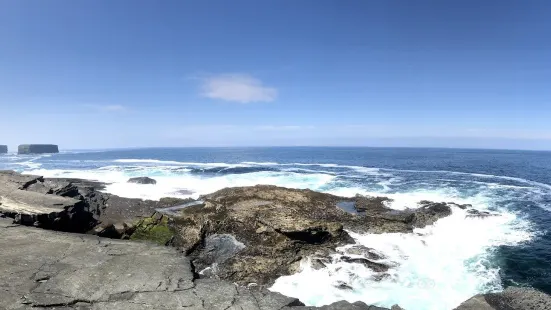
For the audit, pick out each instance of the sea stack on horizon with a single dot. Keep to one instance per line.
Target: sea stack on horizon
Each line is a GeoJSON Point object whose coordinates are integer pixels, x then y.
{"type": "Point", "coordinates": [3, 149]}
{"type": "Point", "coordinates": [37, 149]}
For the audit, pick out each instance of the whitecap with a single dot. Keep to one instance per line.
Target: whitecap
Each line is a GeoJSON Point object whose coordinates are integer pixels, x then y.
{"type": "Point", "coordinates": [435, 268]}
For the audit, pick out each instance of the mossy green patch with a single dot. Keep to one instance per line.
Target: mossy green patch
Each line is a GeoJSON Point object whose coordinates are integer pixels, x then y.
{"type": "Point", "coordinates": [153, 229]}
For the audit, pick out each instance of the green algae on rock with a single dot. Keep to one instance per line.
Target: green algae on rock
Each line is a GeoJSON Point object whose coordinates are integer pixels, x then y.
{"type": "Point", "coordinates": [155, 228]}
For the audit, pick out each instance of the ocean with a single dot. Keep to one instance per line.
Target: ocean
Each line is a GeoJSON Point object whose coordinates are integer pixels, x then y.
{"type": "Point", "coordinates": [435, 268]}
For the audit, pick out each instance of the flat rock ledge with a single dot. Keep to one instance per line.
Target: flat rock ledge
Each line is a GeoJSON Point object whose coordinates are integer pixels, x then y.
{"type": "Point", "coordinates": [512, 298]}
{"type": "Point", "coordinates": [21, 199]}
{"type": "Point", "coordinates": [43, 269]}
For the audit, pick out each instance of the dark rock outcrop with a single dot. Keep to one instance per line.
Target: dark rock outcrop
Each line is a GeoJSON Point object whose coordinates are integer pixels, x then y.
{"type": "Point", "coordinates": [377, 267]}
{"type": "Point", "coordinates": [142, 180]}
{"type": "Point", "coordinates": [76, 205]}
{"type": "Point", "coordinates": [20, 201]}
{"type": "Point", "coordinates": [47, 270]}
{"type": "Point", "coordinates": [363, 251]}
{"type": "Point", "coordinates": [279, 227]}
{"type": "Point", "coordinates": [512, 298]}
{"type": "Point", "coordinates": [37, 148]}
{"type": "Point", "coordinates": [472, 213]}
{"type": "Point", "coordinates": [3, 149]}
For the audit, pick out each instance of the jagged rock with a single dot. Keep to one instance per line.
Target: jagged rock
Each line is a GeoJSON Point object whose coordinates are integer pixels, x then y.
{"type": "Point", "coordinates": [343, 286]}
{"type": "Point", "coordinates": [473, 213]}
{"type": "Point", "coordinates": [142, 180]}
{"type": "Point", "coordinates": [29, 207]}
{"type": "Point", "coordinates": [3, 149]}
{"type": "Point", "coordinates": [37, 148]}
{"type": "Point", "coordinates": [377, 267]}
{"type": "Point", "coordinates": [172, 201]}
{"type": "Point", "coordinates": [319, 262]}
{"type": "Point", "coordinates": [430, 213]}
{"type": "Point", "coordinates": [362, 251]}
{"type": "Point", "coordinates": [47, 270]}
{"type": "Point", "coordinates": [512, 298]}
{"type": "Point", "coordinates": [218, 248]}
{"type": "Point", "coordinates": [370, 204]}
{"type": "Point", "coordinates": [279, 227]}
{"type": "Point", "coordinates": [73, 205]}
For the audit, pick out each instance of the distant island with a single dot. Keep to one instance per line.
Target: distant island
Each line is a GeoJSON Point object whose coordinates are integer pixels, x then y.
{"type": "Point", "coordinates": [37, 149]}
{"type": "Point", "coordinates": [3, 149]}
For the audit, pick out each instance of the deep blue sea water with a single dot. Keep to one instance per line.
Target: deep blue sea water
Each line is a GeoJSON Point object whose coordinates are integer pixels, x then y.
{"type": "Point", "coordinates": [454, 259]}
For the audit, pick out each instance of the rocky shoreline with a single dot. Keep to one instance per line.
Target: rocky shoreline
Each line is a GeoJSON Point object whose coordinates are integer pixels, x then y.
{"type": "Point", "coordinates": [248, 236]}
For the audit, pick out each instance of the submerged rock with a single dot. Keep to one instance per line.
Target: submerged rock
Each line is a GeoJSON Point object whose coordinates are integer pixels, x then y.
{"type": "Point", "coordinates": [37, 148]}
{"type": "Point", "coordinates": [377, 267]}
{"type": "Point", "coordinates": [473, 213]}
{"type": "Point", "coordinates": [142, 180]}
{"type": "Point", "coordinates": [362, 251]}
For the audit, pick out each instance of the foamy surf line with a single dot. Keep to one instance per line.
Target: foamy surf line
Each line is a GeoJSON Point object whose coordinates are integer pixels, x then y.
{"type": "Point", "coordinates": [435, 268]}
{"type": "Point", "coordinates": [180, 185]}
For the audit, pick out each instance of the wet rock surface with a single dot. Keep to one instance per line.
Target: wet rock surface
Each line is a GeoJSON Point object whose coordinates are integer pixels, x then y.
{"type": "Point", "coordinates": [73, 205]}
{"type": "Point", "coordinates": [25, 199]}
{"type": "Point", "coordinates": [472, 213]}
{"type": "Point", "coordinates": [512, 298]}
{"type": "Point", "coordinates": [43, 269]}
{"type": "Point", "coordinates": [279, 227]}
{"type": "Point", "coordinates": [142, 180]}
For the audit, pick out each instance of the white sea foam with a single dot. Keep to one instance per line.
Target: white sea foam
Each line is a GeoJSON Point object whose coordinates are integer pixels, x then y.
{"type": "Point", "coordinates": [436, 268]}
{"type": "Point", "coordinates": [169, 183]}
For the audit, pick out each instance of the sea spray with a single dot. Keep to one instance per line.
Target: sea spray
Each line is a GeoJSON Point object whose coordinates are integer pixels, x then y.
{"type": "Point", "coordinates": [434, 268]}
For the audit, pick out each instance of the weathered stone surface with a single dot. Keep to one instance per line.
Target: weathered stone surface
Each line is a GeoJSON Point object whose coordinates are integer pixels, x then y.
{"type": "Point", "coordinates": [3, 149]}
{"type": "Point", "coordinates": [37, 148]}
{"type": "Point", "coordinates": [363, 251]}
{"type": "Point", "coordinates": [52, 203]}
{"type": "Point", "coordinates": [42, 269]}
{"type": "Point", "coordinates": [279, 227]}
{"type": "Point", "coordinates": [512, 298]}
{"type": "Point", "coordinates": [43, 210]}
{"type": "Point", "coordinates": [142, 180]}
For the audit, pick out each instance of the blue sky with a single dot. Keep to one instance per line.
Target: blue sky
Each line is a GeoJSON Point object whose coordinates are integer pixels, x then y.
{"type": "Point", "coordinates": [101, 74]}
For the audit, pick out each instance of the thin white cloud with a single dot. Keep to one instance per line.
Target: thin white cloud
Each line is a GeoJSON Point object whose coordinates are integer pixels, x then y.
{"type": "Point", "coordinates": [114, 108]}
{"type": "Point", "coordinates": [283, 128]}
{"type": "Point", "coordinates": [240, 88]}
{"type": "Point", "coordinates": [107, 108]}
